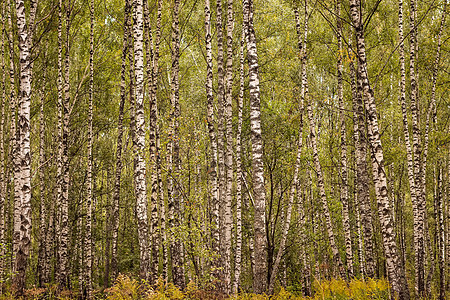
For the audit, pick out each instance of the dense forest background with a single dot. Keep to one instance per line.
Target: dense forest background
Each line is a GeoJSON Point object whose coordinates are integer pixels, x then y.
{"type": "Point", "coordinates": [242, 146]}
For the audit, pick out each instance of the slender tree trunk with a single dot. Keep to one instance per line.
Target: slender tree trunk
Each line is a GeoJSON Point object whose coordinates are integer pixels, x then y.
{"type": "Point", "coordinates": [148, 80]}
{"type": "Point", "coordinates": [3, 161]}
{"type": "Point", "coordinates": [239, 173]}
{"type": "Point", "coordinates": [396, 271]}
{"type": "Point", "coordinates": [63, 192]}
{"type": "Point", "coordinates": [302, 192]}
{"type": "Point", "coordinates": [88, 238]}
{"type": "Point", "coordinates": [220, 142]}
{"type": "Point", "coordinates": [343, 169]}
{"type": "Point", "coordinates": [359, 230]}
{"type": "Point", "coordinates": [431, 116]}
{"type": "Point", "coordinates": [322, 194]}
{"type": "Point", "coordinates": [15, 139]}
{"type": "Point", "coordinates": [419, 215]}
{"type": "Point", "coordinates": [441, 235]}
{"type": "Point", "coordinates": [59, 170]}
{"type": "Point", "coordinates": [43, 229]}
{"type": "Point", "coordinates": [24, 153]}
{"type": "Point", "coordinates": [228, 217]}
{"type": "Point", "coordinates": [294, 184]}
{"type": "Point", "coordinates": [214, 192]}
{"type": "Point", "coordinates": [118, 175]}
{"type": "Point", "coordinates": [140, 169]}
{"type": "Point", "coordinates": [152, 72]}
{"type": "Point", "coordinates": [447, 245]}
{"type": "Point", "coordinates": [161, 205]}
{"type": "Point", "coordinates": [288, 214]}
{"type": "Point", "coordinates": [410, 159]}
{"type": "Point", "coordinates": [176, 251]}
{"type": "Point", "coordinates": [259, 193]}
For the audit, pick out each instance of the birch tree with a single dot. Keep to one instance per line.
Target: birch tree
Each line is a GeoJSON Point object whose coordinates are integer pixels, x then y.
{"type": "Point", "coordinates": [176, 247]}
{"type": "Point", "coordinates": [396, 271]}
{"type": "Point", "coordinates": [259, 193]}
{"type": "Point", "coordinates": [24, 153]}
{"type": "Point", "coordinates": [214, 191]}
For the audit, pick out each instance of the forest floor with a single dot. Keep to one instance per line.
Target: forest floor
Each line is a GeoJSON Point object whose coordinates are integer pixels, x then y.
{"type": "Point", "coordinates": [126, 288]}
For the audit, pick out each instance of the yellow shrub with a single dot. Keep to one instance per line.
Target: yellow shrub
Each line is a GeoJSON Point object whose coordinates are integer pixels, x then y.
{"type": "Point", "coordinates": [165, 291]}
{"type": "Point", "coordinates": [125, 288]}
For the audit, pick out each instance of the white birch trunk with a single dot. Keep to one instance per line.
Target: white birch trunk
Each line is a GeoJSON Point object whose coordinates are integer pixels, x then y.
{"type": "Point", "coordinates": [24, 154]}
{"type": "Point", "coordinates": [259, 193]}
{"type": "Point", "coordinates": [140, 168]}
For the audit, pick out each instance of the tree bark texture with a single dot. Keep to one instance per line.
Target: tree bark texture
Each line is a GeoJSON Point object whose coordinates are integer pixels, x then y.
{"type": "Point", "coordinates": [140, 168]}
{"type": "Point", "coordinates": [176, 251]}
{"type": "Point", "coordinates": [24, 155]}
{"type": "Point", "coordinates": [259, 193]}
{"type": "Point", "coordinates": [213, 178]}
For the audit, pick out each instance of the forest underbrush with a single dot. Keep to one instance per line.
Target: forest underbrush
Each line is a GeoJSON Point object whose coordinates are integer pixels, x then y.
{"type": "Point", "coordinates": [127, 288]}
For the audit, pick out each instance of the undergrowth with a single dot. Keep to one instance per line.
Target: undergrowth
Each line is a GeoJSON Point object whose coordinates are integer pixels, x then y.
{"type": "Point", "coordinates": [126, 288]}
{"type": "Point", "coordinates": [129, 289]}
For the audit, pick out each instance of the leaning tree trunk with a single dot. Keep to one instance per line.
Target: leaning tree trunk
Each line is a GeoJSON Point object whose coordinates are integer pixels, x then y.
{"type": "Point", "coordinates": [395, 269]}
{"type": "Point", "coordinates": [24, 155]}
{"type": "Point", "coordinates": [295, 183]}
{"type": "Point", "coordinates": [259, 193]}
{"type": "Point", "coordinates": [322, 194]}
{"type": "Point", "coordinates": [287, 217]}
{"type": "Point", "coordinates": [140, 169]}
{"type": "Point", "coordinates": [214, 196]}
{"type": "Point", "coordinates": [320, 180]}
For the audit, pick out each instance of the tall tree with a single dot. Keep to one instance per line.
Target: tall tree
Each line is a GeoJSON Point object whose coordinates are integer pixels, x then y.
{"type": "Point", "coordinates": [3, 156]}
{"type": "Point", "coordinates": [214, 191]}
{"type": "Point", "coordinates": [317, 164]}
{"type": "Point", "coordinates": [176, 247]}
{"type": "Point", "coordinates": [228, 217]}
{"type": "Point", "coordinates": [140, 168]}
{"type": "Point", "coordinates": [239, 173]}
{"type": "Point", "coordinates": [396, 271]}
{"type": "Point", "coordinates": [24, 153]}
{"type": "Point", "coordinates": [220, 140]}
{"type": "Point", "coordinates": [343, 144]}
{"type": "Point", "coordinates": [362, 175]}
{"type": "Point", "coordinates": [118, 175]}
{"type": "Point", "coordinates": [410, 160]}
{"type": "Point", "coordinates": [63, 130]}
{"type": "Point", "coordinates": [259, 193]}
{"type": "Point", "coordinates": [417, 149]}
{"type": "Point", "coordinates": [88, 239]}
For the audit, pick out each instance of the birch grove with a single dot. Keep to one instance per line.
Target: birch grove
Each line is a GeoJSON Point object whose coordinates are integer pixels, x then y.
{"type": "Point", "coordinates": [224, 149]}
